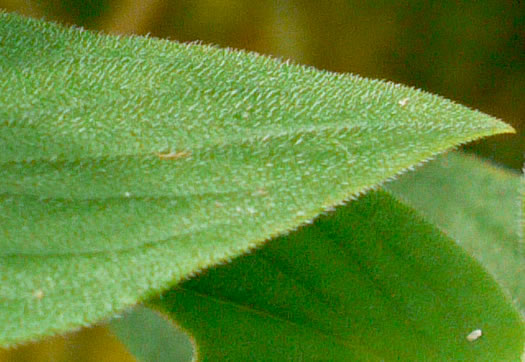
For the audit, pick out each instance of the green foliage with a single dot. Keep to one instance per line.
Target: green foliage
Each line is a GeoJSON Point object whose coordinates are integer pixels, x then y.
{"type": "Point", "coordinates": [476, 203]}
{"type": "Point", "coordinates": [80, 12]}
{"type": "Point", "coordinates": [466, 197]}
{"type": "Point", "coordinates": [371, 281]}
{"type": "Point", "coordinates": [523, 208]}
{"type": "Point", "coordinates": [128, 164]}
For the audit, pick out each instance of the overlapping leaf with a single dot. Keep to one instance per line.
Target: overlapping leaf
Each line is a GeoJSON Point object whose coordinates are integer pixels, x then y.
{"type": "Point", "coordinates": [127, 164]}
{"type": "Point", "coordinates": [371, 281]}
{"type": "Point", "coordinates": [476, 203]}
{"type": "Point", "coordinates": [152, 337]}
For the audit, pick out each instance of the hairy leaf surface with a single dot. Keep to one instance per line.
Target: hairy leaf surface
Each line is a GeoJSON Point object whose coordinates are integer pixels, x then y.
{"type": "Point", "coordinates": [371, 281]}
{"type": "Point", "coordinates": [127, 164]}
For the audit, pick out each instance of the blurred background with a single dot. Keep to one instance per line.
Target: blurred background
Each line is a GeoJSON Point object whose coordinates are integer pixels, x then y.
{"type": "Point", "coordinates": [471, 52]}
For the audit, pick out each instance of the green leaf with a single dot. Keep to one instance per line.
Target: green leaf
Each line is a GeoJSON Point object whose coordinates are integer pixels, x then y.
{"type": "Point", "coordinates": [523, 208]}
{"type": "Point", "coordinates": [128, 164]}
{"type": "Point", "coordinates": [476, 204]}
{"type": "Point", "coordinates": [371, 281]}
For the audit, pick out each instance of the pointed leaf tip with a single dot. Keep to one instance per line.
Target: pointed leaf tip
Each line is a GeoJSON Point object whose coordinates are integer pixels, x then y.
{"type": "Point", "coordinates": [129, 163]}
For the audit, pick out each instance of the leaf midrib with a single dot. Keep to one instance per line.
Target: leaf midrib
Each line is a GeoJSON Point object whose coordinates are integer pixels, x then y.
{"type": "Point", "coordinates": [268, 315]}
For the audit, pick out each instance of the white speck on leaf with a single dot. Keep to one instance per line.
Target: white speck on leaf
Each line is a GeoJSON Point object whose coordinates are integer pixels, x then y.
{"type": "Point", "coordinates": [403, 102]}
{"type": "Point", "coordinates": [475, 334]}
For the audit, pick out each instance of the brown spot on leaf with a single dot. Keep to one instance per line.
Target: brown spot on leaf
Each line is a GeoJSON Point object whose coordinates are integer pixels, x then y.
{"type": "Point", "coordinates": [173, 155]}
{"type": "Point", "coordinates": [38, 294]}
